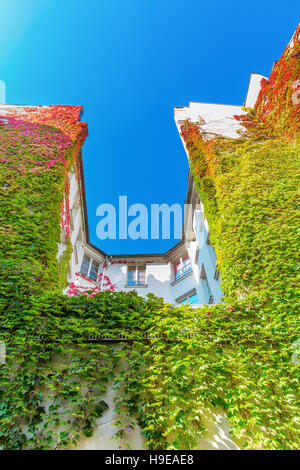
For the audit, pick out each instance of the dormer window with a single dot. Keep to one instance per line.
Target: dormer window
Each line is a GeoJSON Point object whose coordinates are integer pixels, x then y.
{"type": "Point", "coordinates": [89, 268]}
{"type": "Point", "coordinates": [136, 275]}
{"type": "Point", "coordinates": [182, 267]}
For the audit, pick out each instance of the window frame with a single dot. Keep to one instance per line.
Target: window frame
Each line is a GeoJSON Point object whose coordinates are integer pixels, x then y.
{"type": "Point", "coordinates": [186, 271]}
{"type": "Point", "coordinates": [89, 268]}
{"type": "Point", "coordinates": [137, 269]}
{"type": "Point", "coordinates": [180, 300]}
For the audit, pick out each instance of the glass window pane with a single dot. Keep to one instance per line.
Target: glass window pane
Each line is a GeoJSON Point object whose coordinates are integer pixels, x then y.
{"type": "Point", "coordinates": [185, 267]}
{"type": "Point", "coordinates": [141, 275]}
{"type": "Point", "coordinates": [193, 299]}
{"type": "Point", "coordinates": [131, 276]}
{"type": "Point", "coordinates": [176, 270]}
{"type": "Point", "coordinates": [85, 265]}
{"type": "Point", "coordinates": [94, 270]}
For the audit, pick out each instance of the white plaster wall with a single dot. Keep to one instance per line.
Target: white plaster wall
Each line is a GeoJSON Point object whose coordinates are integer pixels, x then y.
{"type": "Point", "coordinates": [15, 108]}
{"type": "Point", "coordinates": [212, 118]}
{"type": "Point", "coordinates": [73, 189]}
{"type": "Point", "coordinates": [102, 439]}
{"type": "Point", "coordinates": [253, 89]}
{"type": "Point", "coordinates": [216, 437]}
{"type": "Point", "coordinates": [207, 257]}
{"type": "Point", "coordinates": [218, 118]}
{"type": "Point", "coordinates": [157, 279]}
{"type": "Point", "coordinates": [184, 285]}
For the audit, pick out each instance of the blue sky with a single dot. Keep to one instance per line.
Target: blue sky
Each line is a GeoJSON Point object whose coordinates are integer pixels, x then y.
{"type": "Point", "coordinates": [129, 62]}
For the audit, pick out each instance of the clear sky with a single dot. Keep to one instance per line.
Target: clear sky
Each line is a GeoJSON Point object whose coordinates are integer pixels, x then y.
{"type": "Point", "coordinates": [129, 62]}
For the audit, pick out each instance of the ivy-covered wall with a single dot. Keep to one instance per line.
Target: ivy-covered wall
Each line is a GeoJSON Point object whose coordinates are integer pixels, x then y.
{"type": "Point", "coordinates": [236, 355]}
{"type": "Point", "coordinates": [38, 147]}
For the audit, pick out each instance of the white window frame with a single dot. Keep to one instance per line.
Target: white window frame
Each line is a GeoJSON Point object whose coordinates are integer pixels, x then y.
{"type": "Point", "coordinates": [187, 271]}
{"type": "Point", "coordinates": [137, 266]}
{"type": "Point", "coordinates": [90, 267]}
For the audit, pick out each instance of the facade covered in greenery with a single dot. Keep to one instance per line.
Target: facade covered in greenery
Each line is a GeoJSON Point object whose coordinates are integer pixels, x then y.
{"type": "Point", "coordinates": [178, 363]}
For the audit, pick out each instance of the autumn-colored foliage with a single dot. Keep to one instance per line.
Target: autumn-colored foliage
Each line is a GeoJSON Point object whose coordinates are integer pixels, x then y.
{"type": "Point", "coordinates": [236, 355]}
{"type": "Point", "coordinates": [38, 147]}
{"type": "Point", "coordinates": [277, 109]}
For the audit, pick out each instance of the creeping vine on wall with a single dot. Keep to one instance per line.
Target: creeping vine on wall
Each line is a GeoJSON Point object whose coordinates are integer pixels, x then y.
{"type": "Point", "coordinates": [235, 355]}
{"type": "Point", "coordinates": [38, 147]}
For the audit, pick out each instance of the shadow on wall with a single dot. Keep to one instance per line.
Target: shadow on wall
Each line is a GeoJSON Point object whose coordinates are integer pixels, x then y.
{"type": "Point", "coordinates": [155, 286]}
{"type": "Point", "coordinates": [217, 436]}
{"type": "Point", "coordinates": [102, 439]}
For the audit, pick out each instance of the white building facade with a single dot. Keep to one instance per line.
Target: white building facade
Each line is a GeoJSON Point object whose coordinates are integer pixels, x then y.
{"type": "Point", "coordinates": [185, 274]}
{"type": "Point", "coordinates": [188, 272]}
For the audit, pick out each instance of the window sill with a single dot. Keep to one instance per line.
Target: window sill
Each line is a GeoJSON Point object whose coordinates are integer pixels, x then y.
{"type": "Point", "coordinates": [88, 279]}
{"type": "Point", "coordinates": [133, 286]}
{"type": "Point", "coordinates": [185, 276]}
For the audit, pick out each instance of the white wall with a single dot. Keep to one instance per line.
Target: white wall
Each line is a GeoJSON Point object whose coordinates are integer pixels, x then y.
{"type": "Point", "coordinates": [158, 280]}
{"type": "Point", "coordinates": [253, 89]}
{"type": "Point", "coordinates": [207, 258]}
{"type": "Point", "coordinates": [212, 118]}
{"type": "Point", "coordinates": [216, 437]}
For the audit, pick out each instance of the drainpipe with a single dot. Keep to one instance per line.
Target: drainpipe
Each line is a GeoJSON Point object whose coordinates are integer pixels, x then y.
{"type": "Point", "coordinates": [107, 263]}
{"type": "Point", "coordinates": [102, 271]}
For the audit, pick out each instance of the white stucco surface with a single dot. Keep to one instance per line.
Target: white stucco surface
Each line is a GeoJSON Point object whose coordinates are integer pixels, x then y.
{"type": "Point", "coordinates": [253, 89]}
{"type": "Point", "coordinates": [216, 437]}
{"type": "Point", "coordinates": [213, 119]}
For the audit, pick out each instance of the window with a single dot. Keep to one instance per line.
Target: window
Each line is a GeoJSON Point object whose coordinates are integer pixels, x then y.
{"type": "Point", "coordinates": [89, 268]}
{"type": "Point", "coordinates": [85, 265]}
{"type": "Point", "coordinates": [136, 275]}
{"type": "Point", "coordinates": [94, 270]}
{"type": "Point", "coordinates": [189, 298]}
{"type": "Point", "coordinates": [208, 239]}
{"type": "Point", "coordinates": [217, 275]}
{"type": "Point", "coordinates": [211, 300]}
{"type": "Point", "coordinates": [181, 267]}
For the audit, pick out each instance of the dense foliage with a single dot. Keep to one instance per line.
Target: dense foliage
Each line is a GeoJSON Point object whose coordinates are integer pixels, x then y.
{"type": "Point", "coordinates": [38, 148]}
{"type": "Point", "coordinates": [236, 355]}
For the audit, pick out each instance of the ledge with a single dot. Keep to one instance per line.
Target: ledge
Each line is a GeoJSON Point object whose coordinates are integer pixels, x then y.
{"type": "Point", "coordinates": [137, 285]}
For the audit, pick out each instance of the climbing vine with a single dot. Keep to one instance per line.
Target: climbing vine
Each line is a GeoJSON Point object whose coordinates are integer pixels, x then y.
{"type": "Point", "coordinates": [38, 148]}
{"type": "Point", "coordinates": [178, 364]}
